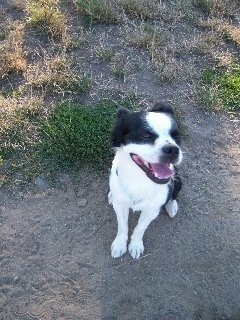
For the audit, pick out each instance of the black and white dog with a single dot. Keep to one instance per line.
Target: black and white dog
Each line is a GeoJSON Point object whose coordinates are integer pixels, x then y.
{"type": "Point", "coordinates": [142, 175]}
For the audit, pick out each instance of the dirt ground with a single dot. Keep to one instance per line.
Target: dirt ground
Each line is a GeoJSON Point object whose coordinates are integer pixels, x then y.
{"type": "Point", "coordinates": [55, 239]}
{"type": "Point", "coordinates": [55, 259]}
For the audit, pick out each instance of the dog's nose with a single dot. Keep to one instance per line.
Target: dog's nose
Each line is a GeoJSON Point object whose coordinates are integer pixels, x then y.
{"type": "Point", "coordinates": [171, 150]}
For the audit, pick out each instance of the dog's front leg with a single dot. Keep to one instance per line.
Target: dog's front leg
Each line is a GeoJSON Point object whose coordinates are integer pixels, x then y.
{"type": "Point", "coordinates": [136, 247]}
{"type": "Point", "coordinates": [119, 245]}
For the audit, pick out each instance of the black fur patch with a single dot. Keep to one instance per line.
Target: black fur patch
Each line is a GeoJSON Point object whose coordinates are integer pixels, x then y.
{"type": "Point", "coordinates": [174, 188]}
{"type": "Point", "coordinates": [132, 127]}
{"type": "Point", "coordinates": [162, 107]}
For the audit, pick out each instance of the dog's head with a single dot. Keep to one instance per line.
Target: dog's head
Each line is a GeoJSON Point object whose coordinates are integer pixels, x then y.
{"type": "Point", "coordinates": [151, 139]}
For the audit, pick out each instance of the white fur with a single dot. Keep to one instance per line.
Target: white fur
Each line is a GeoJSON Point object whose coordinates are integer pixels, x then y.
{"type": "Point", "coordinates": [131, 188]}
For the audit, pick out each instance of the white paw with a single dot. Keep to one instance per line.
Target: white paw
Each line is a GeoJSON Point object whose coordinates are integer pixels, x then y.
{"type": "Point", "coordinates": [119, 247]}
{"type": "Point", "coordinates": [110, 197]}
{"type": "Point", "coordinates": [172, 208]}
{"type": "Point", "coordinates": [136, 248]}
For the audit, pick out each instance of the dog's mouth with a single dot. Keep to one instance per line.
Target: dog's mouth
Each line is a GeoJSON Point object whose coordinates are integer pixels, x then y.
{"type": "Point", "coordinates": [158, 172]}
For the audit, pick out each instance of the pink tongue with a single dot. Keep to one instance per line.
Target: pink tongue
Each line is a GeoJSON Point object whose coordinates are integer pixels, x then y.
{"type": "Point", "coordinates": [161, 170]}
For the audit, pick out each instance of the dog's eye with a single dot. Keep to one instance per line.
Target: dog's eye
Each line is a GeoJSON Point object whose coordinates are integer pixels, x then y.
{"type": "Point", "coordinates": [148, 136]}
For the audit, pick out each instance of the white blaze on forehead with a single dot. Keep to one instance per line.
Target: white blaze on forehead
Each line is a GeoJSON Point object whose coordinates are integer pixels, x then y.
{"type": "Point", "coordinates": [159, 122]}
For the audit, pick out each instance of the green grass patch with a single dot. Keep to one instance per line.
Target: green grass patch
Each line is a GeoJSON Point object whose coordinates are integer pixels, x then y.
{"type": "Point", "coordinates": [80, 135]}
{"type": "Point", "coordinates": [97, 11]}
{"type": "Point", "coordinates": [45, 15]}
{"type": "Point", "coordinates": [220, 89]}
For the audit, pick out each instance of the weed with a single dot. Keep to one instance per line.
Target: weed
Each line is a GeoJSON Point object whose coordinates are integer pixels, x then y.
{"type": "Point", "coordinates": [220, 89]}
{"type": "Point", "coordinates": [2, 34]}
{"type": "Point", "coordinates": [166, 67]}
{"type": "Point", "coordinates": [76, 134]}
{"type": "Point", "coordinates": [105, 53]}
{"type": "Point", "coordinates": [232, 33]}
{"type": "Point", "coordinates": [143, 9]}
{"type": "Point", "coordinates": [217, 7]}
{"type": "Point", "coordinates": [97, 11]}
{"type": "Point", "coordinates": [118, 71]}
{"type": "Point", "coordinates": [12, 54]}
{"type": "Point", "coordinates": [56, 75]}
{"type": "Point", "coordinates": [146, 36]}
{"type": "Point", "coordinates": [46, 15]}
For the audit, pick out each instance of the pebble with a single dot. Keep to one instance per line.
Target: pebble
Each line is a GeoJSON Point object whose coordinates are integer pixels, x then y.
{"type": "Point", "coordinates": [82, 202]}
{"type": "Point", "coordinates": [40, 184]}
{"type": "Point", "coordinates": [64, 178]}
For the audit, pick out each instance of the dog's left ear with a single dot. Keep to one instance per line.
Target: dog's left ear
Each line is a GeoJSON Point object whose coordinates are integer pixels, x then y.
{"type": "Point", "coordinates": [120, 129]}
{"type": "Point", "coordinates": [162, 107]}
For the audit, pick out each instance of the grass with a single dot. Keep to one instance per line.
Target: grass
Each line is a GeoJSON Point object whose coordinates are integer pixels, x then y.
{"type": "Point", "coordinates": [70, 135]}
{"type": "Point", "coordinates": [220, 89]}
{"type": "Point", "coordinates": [75, 134]}
{"type": "Point", "coordinates": [105, 53]}
{"type": "Point", "coordinates": [99, 11]}
{"type": "Point", "coordinates": [46, 15]}
{"type": "Point", "coordinates": [55, 75]}
{"type": "Point", "coordinates": [171, 40]}
{"type": "Point", "coordinates": [232, 33]}
{"type": "Point", "coordinates": [12, 52]}
{"type": "Point", "coordinates": [143, 9]}
{"type": "Point", "coordinates": [217, 7]}
{"type": "Point", "coordinates": [17, 125]}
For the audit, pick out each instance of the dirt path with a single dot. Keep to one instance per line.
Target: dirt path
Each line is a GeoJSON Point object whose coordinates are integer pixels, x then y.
{"type": "Point", "coordinates": [55, 259]}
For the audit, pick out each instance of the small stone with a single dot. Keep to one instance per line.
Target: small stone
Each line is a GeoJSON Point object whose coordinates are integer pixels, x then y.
{"type": "Point", "coordinates": [64, 178]}
{"type": "Point", "coordinates": [162, 311]}
{"type": "Point", "coordinates": [82, 202]}
{"type": "Point", "coordinates": [40, 184]}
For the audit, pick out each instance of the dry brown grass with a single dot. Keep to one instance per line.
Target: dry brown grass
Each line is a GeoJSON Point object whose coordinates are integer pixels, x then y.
{"type": "Point", "coordinates": [232, 33]}
{"type": "Point", "coordinates": [144, 35]}
{"type": "Point", "coordinates": [54, 74]}
{"type": "Point", "coordinates": [12, 52]}
{"type": "Point", "coordinates": [218, 7]}
{"type": "Point", "coordinates": [223, 28]}
{"type": "Point", "coordinates": [143, 9]}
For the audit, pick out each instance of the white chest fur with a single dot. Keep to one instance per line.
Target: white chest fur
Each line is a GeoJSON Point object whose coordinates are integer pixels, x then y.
{"type": "Point", "coordinates": [129, 184]}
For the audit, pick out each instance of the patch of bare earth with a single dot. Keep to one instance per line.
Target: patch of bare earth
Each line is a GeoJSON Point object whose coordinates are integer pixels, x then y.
{"type": "Point", "coordinates": [56, 236]}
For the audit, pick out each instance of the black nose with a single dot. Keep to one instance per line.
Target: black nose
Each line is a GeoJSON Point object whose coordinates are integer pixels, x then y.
{"type": "Point", "coordinates": [171, 150]}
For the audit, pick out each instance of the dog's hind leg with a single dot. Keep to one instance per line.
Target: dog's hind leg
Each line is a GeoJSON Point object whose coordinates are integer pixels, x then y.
{"type": "Point", "coordinates": [119, 245]}
{"type": "Point", "coordinates": [171, 208]}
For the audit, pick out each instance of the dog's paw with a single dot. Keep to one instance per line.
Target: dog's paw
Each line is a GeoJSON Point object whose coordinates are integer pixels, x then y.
{"type": "Point", "coordinates": [119, 247]}
{"type": "Point", "coordinates": [172, 208]}
{"type": "Point", "coordinates": [110, 197]}
{"type": "Point", "coordinates": [136, 248]}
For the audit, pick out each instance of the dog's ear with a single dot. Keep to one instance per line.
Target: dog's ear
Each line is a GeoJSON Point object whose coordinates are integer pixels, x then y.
{"type": "Point", "coordinates": [162, 107]}
{"type": "Point", "coordinates": [120, 129]}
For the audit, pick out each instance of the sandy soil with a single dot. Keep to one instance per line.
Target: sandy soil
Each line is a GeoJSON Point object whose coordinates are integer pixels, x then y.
{"type": "Point", "coordinates": [55, 244]}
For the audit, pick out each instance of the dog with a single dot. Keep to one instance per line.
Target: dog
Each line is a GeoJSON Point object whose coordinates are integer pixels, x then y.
{"type": "Point", "coordinates": [143, 176]}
